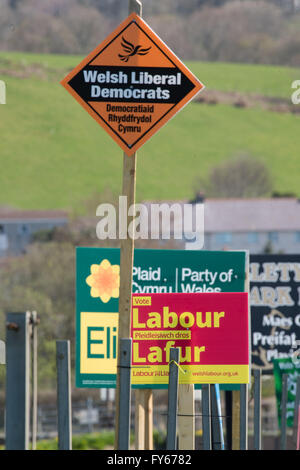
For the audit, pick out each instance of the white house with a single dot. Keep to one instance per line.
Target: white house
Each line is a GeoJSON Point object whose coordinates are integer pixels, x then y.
{"type": "Point", "coordinates": [254, 224]}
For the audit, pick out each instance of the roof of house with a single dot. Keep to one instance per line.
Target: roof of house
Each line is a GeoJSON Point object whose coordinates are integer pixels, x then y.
{"type": "Point", "coordinates": [239, 215]}
{"type": "Point", "coordinates": [246, 215]}
{"type": "Point", "coordinates": [11, 215]}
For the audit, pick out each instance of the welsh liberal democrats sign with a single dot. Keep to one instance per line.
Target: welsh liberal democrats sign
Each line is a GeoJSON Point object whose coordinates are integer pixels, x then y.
{"type": "Point", "coordinates": [132, 84]}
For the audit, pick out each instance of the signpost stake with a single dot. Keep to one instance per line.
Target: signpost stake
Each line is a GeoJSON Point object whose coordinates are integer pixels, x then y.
{"type": "Point", "coordinates": [17, 381]}
{"type": "Point", "coordinates": [143, 419]}
{"type": "Point", "coordinates": [206, 424]}
{"type": "Point", "coordinates": [244, 417]}
{"type": "Point", "coordinates": [64, 413]}
{"type": "Point", "coordinates": [148, 419]}
{"type": "Point", "coordinates": [283, 411]}
{"type": "Point", "coordinates": [186, 417]}
{"type": "Point", "coordinates": [257, 409]}
{"type": "Point", "coordinates": [127, 248]}
{"type": "Point", "coordinates": [139, 419]}
{"type": "Point", "coordinates": [125, 394]}
{"type": "Point", "coordinates": [236, 411]}
{"type": "Point", "coordinates": [172, 399]}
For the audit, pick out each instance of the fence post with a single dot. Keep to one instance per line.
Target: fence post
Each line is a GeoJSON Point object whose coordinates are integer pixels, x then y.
{"type": "Point", "coordinates": [172, 399]}
{"type": "Point", "coordinates": [228, 419]}
{"type": "Point", "coordinates": [17, 381]}
{"type": "Point", "coordinates": [125, 394]}
{"type": "Point", "coordinates": [257, 409]}
{"type": "Point", "coordinates": [216, 419]}
{"type": "Point", "coordinates": [148, 419]}
{"type": "Point", "coordinates": [2, 352]}
{"type": "Point", "coordinates": [283, 411]}
{"type": "Point", "coordinates": [140, 417]}
{"type": "Point", "coordinates": [34, 375]}
{"type": "Point", "coordinates": [206, 414]}
{"type": "Point", "coordinates": [244, 417]}
{"type": "Point", "coordinates": [89, 409]}
{"type": "Point", "coordinates": [186, 417]}
{"type": "Point", "coordinates": [64, 412]}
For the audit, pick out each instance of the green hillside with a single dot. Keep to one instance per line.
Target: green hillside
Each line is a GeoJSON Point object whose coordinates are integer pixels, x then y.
{"type": "Point", "coordinates": [54, 155]}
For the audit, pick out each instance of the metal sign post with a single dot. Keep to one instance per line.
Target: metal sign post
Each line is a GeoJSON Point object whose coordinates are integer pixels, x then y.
{"type": "Point", "coordinates": [64, 395]}
{"type": "Point", "coordinates": [34, 377]}
{"type": "Point", "coordinates": [17, 381]}
{"type": "Point", "coordinates": [206, 414]}
{"type": "Point", "coordinates": [172, 399]}
{"type": "Point", "coordinates": [257, 409]}
{"type": "Point", "coordinates": [216, 418]}
{"type": "Point", "coordinates": [124, 394]}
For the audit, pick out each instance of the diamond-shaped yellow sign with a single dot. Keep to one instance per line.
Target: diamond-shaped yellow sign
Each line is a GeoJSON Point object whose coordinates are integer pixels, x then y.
{"type": "Point", "coordinates": [132, 84]}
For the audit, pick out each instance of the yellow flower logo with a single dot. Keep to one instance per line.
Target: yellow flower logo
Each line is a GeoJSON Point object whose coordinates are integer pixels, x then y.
{"type": "Point", "coordinates": [104, 280]}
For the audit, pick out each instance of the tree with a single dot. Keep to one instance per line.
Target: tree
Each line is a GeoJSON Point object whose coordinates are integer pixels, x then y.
{"type": "Point", "coordinates": [14, 4]}
{"type": "Point", "coordinates": [241, 177]}
{"type": "Point", "coordinates": [88, 26]}
{"type": "Point", "coordinates": [43, 280]}
{"type": "Point", "coordinates": [239, 31]}
{"type": "Point", "coordinates": [41, 32]}
{"type": "Point", "coordinates": [110, 8]}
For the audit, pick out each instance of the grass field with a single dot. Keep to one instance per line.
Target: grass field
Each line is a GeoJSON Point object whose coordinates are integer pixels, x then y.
{"type": "Point", "coordinates": [261, 79]}
{"type": "Point", "coordinates": [54, 155]}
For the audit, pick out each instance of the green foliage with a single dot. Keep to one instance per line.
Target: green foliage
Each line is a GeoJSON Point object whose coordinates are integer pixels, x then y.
{"type": "Point", "coordinates": [268, 386]}
{"type": "Point", "coordinates": [43, 236]}
{"type": "Point", "coordinates": [94, 441]}
{"type": "Point", "coordinates": [251, 31]}
{"type": "Point", "coordinates": [241, 177]}
{"type": "Point", "coordinates": [268, 249]}
{"type": "Point", "coordinates": [159, 440]}
{"type": "Point", "coordinates": [43, 280]}
{"type": "Point", "coordinates": [47, 444]}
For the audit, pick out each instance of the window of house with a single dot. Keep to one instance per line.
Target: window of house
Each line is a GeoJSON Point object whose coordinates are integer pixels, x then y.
{"type": "Point", "coordinates": [3, 239]}
{"type": "Point", "coordinates": [223, 237]}
{"type": "Point", "coordinates": [252, 237]}
{"type": "Point", "coordinates": [23, 229]}
{"type": "Point", "coordinates": [273, 237]}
